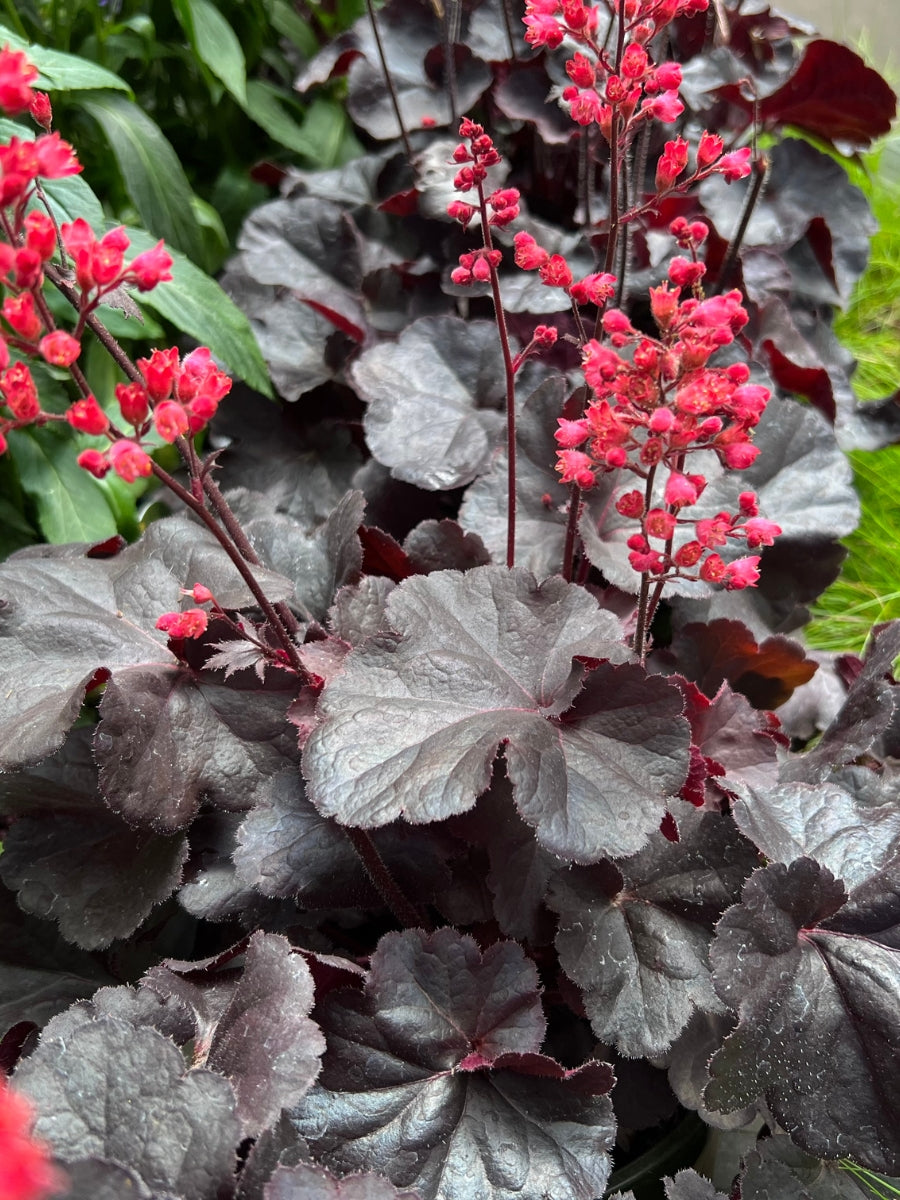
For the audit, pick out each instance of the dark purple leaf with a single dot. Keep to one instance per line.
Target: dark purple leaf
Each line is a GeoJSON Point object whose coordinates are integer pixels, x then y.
{"type": "Point", "coordinates": [688, 1185]}
{"type": "Point", "coordinates": [358, 611]}
{"type": "Point", "coordinates": [280, 1145]}
{"type": "Point", "coordinates": [804, 184]}
{"type": "Point", "coordinates": [726, 652]}
{"type": "Point", "coordinates": [865, 714]}
{"type": "Point", "coordinates": [521, 94]}
{"type": "Point", "coordinates": [101, 1179]}
{"type": "Point", "coordinates": [433, 1079]}
{"type": "Point", "coordinates": [302, 348]}
{"type": "Point", "coordinates": [89, 871]}
{"type": "Point", "coordinates": [105, 1089]}
{"type": "Point", "coordinates": [444, 546]}
{"type": "Point", "coordinates": [635, 938]}
{"type": "Point", "coordinates": [412, 724]}
{"type": "Point", "coordinates": [169, 737]}
{"type": "Point", "coordinates": [306, 1182]}
{"type": "Point", "coordinates": [688, 1060]}
{"type": "Point", "coordinates": [775, 1168]}
{"type": "Point", "coordinates": [817, 1035]}
{"type": "Point", "coordinates": [433, 398]}
{"type": "Point", "coordinates": [262, 1041]}
{"type": "Point", "coordinates": [540, 497]}
{"type": "Point", "coordinates": [318, 560]}
{"type": "Point", "coordinates": [304, 472]}
{"type": "Point", "coordinates": [734, 739]}
{"type": "Point", "coordinates": [287, 849]}
{"type": "Point", "coordinates": [66, 615]}
{"type": "Point", "coordinates": [849, 834]}
{"type": "Point", "coordinates": [70, 859]}
{"type": "Point", "coordinates": [834, 95]}
{"type": "Point", "coordinates": [409, 31]}
{"type": "Point", "coordinates": [40, 973]}
{"type": "Point", "coordinates": [309, 247]}
{"type": "Point", "coordinates": [213, 892]}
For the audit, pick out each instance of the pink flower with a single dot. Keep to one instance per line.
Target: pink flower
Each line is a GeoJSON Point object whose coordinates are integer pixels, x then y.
{"type": "Point", "coordinates": [680, 491]}
{"type": "Point", "coordinates": [735, 165]}
{"type": "Point", "coordinates": [20, 393]}
{"type": "Point", "coordinates": [740, 455]}
{"type": "Point", "coordinates": [60, 348]}
{"type": "Point", "coordinates": [571, 433]}
{"type": "Point", "coordinates": [171, 420]}
{"type": "Point", "coordinates": [556, 272]}
{"type": "Point", "coordinates": [129, 461]}
{"type": "Point", "coordinates": [56, 159]}
{"type": "Point", "coordinates": [711, 146]}
{"type": "Point", "coordinates": [760, 532]}
{"type": "Point", "coordinates": [26, 1171]}
{"type": "Point", "coordinates": [16, 76]}
{"type": "Point", "coordinates": [150, 268]}
{"type": "Point", "coordinates": [87, 416]}
{"type": "Point", "coordinates": [575, 467]}
{"type": "Point", "coordinates": [94, 462]}
{"type": "Point", "coordinates": [133, 402]}
{"type": "Point", "coordinates": [666, 107]}
{"type": "Point", "coordinates": [742, 573]}
{"type": "Point", "coordinates": [529, 255]}
{"type": "Point", "coordinates": [41, 109]}
{"type": "Point", "coordinates": [191, 623]}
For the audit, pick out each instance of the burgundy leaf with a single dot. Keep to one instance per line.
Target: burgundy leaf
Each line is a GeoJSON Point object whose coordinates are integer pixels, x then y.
{"type": "Point", "coordinates": [413, 723]}
{"type": "Point", "coordinates": [93, 1083]}
{"type": "Point", "coordinates": [66, 615]}
{"type": "Point", "coordinates": [306, 1182]}
{"type": "Point", "coordinates": [817, 1035]}
{"type": "Point", "coordinates": [433, 398]}
{"type": "Point", "coordinates": [262, 1040]}
{"type": "Point", "coordinates": [636, 940]}
{"type": "Point", "coordinates": [169, 738]}
{"type": "Point", "coordinates": [433, 1079]}
{"type": "Point", "coordinates": [834, 95]}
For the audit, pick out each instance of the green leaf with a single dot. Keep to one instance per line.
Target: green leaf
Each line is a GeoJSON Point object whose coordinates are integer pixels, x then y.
{"type": "Point", "coordinates": [215, 43]}
{"type": "Point", "coordinates": [292, 26]}
{"type": "Point", "coordinates": [63, 72]}
{"type": "Point", "coordinates": [264, 106]}
{"type": "Point", "coordinates": [150, 168]}
{"type": "Point", "coordinates": [196, 305]}
{"type": "Point", "coordinates": [69, 505]}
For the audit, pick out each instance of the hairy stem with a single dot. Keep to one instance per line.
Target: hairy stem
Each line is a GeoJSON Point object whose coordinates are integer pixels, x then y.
{"type": "Point", "coordinates": [643, 623]}
{"type": "Point", "coordinates": [509, 371]}
{"type": "Point", "coordinates": [243, 567]}
{"type": "Point", "coordinates": [387, 887]}
{"type": "Point", "coordinates": [571, 532]}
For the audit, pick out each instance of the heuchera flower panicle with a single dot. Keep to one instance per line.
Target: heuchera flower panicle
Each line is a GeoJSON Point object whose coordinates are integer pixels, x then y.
{"type": "Point", "coordinates": [177, 397]}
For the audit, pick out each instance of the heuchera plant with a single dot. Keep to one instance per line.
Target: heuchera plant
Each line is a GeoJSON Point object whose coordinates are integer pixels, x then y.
{"type": "Point", "coordinates": [444, 812]}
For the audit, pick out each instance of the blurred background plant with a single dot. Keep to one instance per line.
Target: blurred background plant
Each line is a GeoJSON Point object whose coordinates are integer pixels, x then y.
{"type": "Point", "coordinates": [868, 590]}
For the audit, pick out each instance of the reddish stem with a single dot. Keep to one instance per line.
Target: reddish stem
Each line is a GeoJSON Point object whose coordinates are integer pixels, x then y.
{"type": "Point", "coordinates": [510, 374]}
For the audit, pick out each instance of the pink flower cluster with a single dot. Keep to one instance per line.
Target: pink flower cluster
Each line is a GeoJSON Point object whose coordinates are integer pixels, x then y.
{"type": "Point", "coordinates": [662, 402]}
{"type": "Point", "coordinates": [620, 96]}
{"type": "Point", "coordinates": [176, 398]}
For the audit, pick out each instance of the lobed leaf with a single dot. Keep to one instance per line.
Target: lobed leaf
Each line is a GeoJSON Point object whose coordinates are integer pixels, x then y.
{"type": "Point", "coordinates": [432, 1078]}
{"type": "Point", "coordinates": [817, 1034]}
{"type": "Point", "coordinates": [433, 399]}
{"type": "Point", "coordinates": [413, 723]}
{"type": "Point", "coordinates": [93, 1082]}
